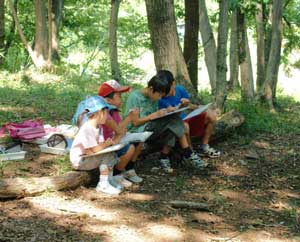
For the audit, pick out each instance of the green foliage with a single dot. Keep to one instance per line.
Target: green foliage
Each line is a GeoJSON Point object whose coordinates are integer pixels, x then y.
{"type": "Point", "coordinates": [260, 120]}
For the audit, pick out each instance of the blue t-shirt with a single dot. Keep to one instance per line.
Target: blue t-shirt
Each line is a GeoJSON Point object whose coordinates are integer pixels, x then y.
{"type": "Point", "coordinates": [173, 101]}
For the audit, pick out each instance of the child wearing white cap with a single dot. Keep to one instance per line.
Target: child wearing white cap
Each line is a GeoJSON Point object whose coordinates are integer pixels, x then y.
{"type": "Point", "coordinates": [90, 140]}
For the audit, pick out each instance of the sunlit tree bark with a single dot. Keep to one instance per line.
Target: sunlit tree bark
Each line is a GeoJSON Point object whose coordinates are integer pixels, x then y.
{"type": "Point", "coordinates": [2, 31]}
{"type": "Point", "coordinates": [274, 57]}
{"type": "Point", "coordinates": [41, 33]}
{"type": "Point", "coordinates": [260, 52]}
{"type": "Point", "coordinates": [56, 18]}
{"type": "Point", "coordinates": [191, 36]}
{"type": "Point", "coordinates": [234, 52]}
{"type": "Point", "coordinates": [113, 48]}
{"type": "Point", "coordinates": [221, 83]}
{"type": "Point", "coordinates": [247, 84]}
{"type": "Point", "coordinates": [208, 43]}
{"type": "Point", "coordinates": [165, 44]}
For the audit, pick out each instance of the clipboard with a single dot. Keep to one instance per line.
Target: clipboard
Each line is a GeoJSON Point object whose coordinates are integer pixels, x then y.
{"type": "Point", "coordinates": [179, 110]}
{"type": "Point", "coordinates": [197, 111]}
{"type": "Point", "coordinates": [106, 150]}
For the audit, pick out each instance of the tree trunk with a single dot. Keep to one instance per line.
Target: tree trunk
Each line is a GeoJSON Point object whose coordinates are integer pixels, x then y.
{"type": "Point", "coordinates": [27, 46]}
{"type": "Point", "coordinates": [56, 17]}
{"type": "Point", "coordinates": [260, 31]}
{"type": "Point", "coordinates": [209, 45]}
{"type": "Point", "coordinates": [221, 83]}
{"type": "Point", "coordinates": [165, 44]}
{"type": "Point", "coordinates": [113, 48]}
{"type": "Point", "coordinates": [21, 187]}
{"type": "Point", "coordinates": [12, 28]}
{"type": "Point", "coordinates": [274, 57]}
{"type": "Point", "coordinates": [234, 53]}
{"type": "Point", "coordinates": [2, 30]}
{"type": "Point", "coordinates": [247, 85]}
{"type": "Point", "coordinates": [191, 36]}
{"type": "Point", "coordinates": [50, 33]}
{"type": "Point", "coordinates": [41, 33]}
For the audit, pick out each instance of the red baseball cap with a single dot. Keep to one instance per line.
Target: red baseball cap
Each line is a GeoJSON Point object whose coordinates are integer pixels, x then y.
{"type": "Point", "coordinates": [111, 86]}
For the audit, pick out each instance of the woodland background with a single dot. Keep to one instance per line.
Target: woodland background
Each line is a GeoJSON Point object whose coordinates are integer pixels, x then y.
{"type": "Point", "coordinates": [242, 55]}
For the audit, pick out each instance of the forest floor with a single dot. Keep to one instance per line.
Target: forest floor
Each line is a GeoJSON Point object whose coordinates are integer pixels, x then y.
{"type": "Point", "coordinates": [252, 192]}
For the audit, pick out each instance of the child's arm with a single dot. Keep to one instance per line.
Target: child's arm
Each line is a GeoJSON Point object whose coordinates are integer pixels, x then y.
{"type": "Point", "coordinates": [138, 121]}
{"type": "Point", "coordinates": [99, 147]}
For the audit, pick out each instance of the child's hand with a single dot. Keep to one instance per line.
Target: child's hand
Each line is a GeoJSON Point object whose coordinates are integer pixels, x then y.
{"type": "Point", "coordinates": [133, 114]}
{"type": "Point", "coordinates": [108, 142]}
{"type": "Point", "coordinates": [158, 114]}
{"type": "Point", "coordinates": [171, 109]}
{"type": "Point", "coordinates": [184, 102]}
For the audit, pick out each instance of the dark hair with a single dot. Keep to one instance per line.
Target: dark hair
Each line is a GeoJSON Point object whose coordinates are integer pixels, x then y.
{"type": "Point", "coordinates": [110, 95]}
{"type": "Point", "coordinates": [165, 74]}
{"type": "Point", "coordinates": [159, 84]}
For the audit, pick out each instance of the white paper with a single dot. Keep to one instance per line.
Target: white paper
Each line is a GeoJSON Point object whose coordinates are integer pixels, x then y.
{"type": "Point", "coordinates": [135, 137]}
{"type": "Point", "coordinates": [106, 150]}
{"type": "Point", "coordinates": [197, 111]}
{"type": "Point", "coordinates": [173, 112]}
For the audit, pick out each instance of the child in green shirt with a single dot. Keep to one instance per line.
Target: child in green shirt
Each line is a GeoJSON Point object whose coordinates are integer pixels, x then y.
{"type": "Point", "coordinates": [166, 130]}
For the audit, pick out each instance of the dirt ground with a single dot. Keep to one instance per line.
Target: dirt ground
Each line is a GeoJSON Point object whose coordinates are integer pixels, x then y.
{"type": "Point", "coordinates": [252, 193]}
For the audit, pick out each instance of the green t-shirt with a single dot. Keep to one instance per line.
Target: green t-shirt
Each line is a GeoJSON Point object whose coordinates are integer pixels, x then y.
{"type": "Point", "coordinates": [145, 105]}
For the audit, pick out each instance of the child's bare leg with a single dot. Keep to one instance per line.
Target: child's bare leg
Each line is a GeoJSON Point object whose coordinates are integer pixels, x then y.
{"type": "Point", "coordinates": [183, 141]}
{"type": "Point", "coordinates": [210, 120]}
{"type": "Point", "coordinates": [137, 152]}
{"type": "Point", "coordinates": [187, 133]}
{"type": "Point", "coordinates": [124, 159]}
{"type": "Point", "coordinates": [166, 149]}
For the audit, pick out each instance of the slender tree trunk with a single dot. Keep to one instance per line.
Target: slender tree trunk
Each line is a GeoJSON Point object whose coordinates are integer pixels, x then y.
{"type": "Point", "coordinates": [56, 18]}
{"type": "Point", "coordinates": [41, 33]}
{"type": "Point", "coordinates": [234, 52]}
{"type": "Point", "coordinates": [260, 31]}
{"type": "Point", "coordinates": [247, 86]}
{"type": "Point", "coordinates": [2, 31]}
{"type": "Point", "coordinates": [191, 36]}
{"type": "Point", "coordinates": [49, 61]}
{"type": "Point", "coordinates": [12, 28]}
{"type": "Point", "coordinates": [27, 46]}
{"type": "Point", "coordinates": [209, 44]}
{"type": "Point", "coordinates": [221, 54]}
{"type": "Point", "coordinates": [113, 48]}
{"type": "Point", "coordinates": [165, 44]}
{"type": "Point", "coordinates": [274, 57]}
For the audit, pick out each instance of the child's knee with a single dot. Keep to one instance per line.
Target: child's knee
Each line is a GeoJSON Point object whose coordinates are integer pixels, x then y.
{"type": "Point", "coordinates": [186, 128]}
{"type": "Point", "coordinates": [211, 116]}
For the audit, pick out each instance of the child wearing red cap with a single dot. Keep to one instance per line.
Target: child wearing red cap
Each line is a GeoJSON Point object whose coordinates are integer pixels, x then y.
{"type": "Point", "coordinates": [116, 128]}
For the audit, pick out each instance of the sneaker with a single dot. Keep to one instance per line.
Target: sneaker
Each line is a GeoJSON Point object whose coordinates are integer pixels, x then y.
{"type": "Point", "coordinates": [166, 165]}
{"type": "Point", "coordinates": [195, 161]}
{"type": "Point", "coordinates": [115, 182]}
{"type": "Point", "coordinates": [107, 188]}
{"type": "Point", "coordinates": [132, 176]}
{"type": "Point", "coordinates": [206, 150]}
{"type": "Point", "coordinates": [122, 181]}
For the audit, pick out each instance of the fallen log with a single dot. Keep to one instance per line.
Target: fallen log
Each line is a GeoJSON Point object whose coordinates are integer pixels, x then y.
{"type": "Point", "coordinates": [189, 205]}
{"type": "Point", "coordinates": [21, 187]}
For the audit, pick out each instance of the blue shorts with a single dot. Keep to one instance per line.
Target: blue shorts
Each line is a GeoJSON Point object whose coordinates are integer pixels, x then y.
{"type": "Point", "coordinates": [123, 151]}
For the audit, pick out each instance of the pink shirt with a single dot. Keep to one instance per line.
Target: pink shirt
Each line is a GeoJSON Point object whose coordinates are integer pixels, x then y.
{"type": "Point", "coordinates": [108, 132]}
{"type": "Point", "coordinates": [87, 137]}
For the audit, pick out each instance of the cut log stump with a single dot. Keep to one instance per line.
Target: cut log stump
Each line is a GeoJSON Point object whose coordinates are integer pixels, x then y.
{"type": "Point", "coordinates": [189, 205]}
{"type": "Point", "coordinates": [227, 123]}
{"type": "Point", "coordinates": [22, 187]}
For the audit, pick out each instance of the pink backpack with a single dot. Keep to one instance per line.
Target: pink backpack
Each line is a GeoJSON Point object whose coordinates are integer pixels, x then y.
{"type": "Point", "coordinates": [27, 130]}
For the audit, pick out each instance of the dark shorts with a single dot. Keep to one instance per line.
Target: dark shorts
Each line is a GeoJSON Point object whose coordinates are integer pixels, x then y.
{"type": "Point", "coordinates": [165, 130]}
{"type": "Point", "coordinates": [123, 151]}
